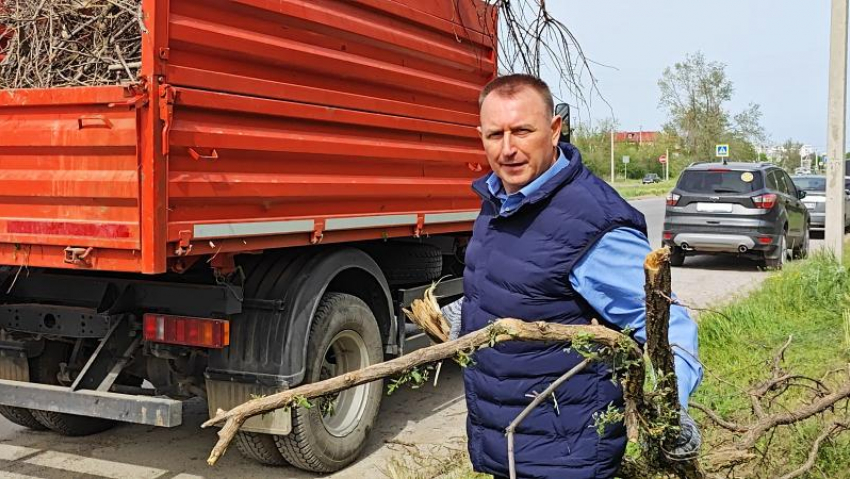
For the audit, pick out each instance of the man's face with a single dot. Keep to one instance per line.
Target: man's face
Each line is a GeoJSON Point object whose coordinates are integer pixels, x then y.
{"type": "Point", "coordinates": [519, 137]}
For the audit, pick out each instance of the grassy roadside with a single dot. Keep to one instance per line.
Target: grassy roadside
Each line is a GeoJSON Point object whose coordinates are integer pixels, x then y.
{"type": "Point", "coordinates": [809, 300]}
{"type": "Point", "coordinates": [634, 189]}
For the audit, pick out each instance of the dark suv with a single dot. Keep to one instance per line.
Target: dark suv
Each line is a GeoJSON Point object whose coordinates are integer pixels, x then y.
{"type": "Point", "coordinates": [748, 209]}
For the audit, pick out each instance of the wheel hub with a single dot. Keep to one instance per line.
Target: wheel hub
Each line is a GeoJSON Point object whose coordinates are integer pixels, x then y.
{"type": "Point", "coordinates": [342, 412]}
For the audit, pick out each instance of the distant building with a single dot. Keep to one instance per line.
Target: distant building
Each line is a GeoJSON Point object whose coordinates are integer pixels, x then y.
{"type": "Point", "coordinates": [638, 137]}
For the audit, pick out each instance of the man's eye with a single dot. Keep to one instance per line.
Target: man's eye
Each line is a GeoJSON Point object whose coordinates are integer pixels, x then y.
{"type": "Point", "coordinates": [494, 136]}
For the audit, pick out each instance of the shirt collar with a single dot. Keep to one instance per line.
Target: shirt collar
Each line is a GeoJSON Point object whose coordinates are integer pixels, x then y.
{"type": "Point", "coordinates": [497, 189]}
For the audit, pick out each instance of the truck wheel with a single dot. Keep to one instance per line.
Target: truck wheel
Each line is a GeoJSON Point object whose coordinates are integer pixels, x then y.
{"type": "Point", "coordinates": [72, 425]}
{"type": "Point", "coordinates": [344, 337]}
{"type": "Point", "coordinates": [259, 447]}
{"type": "Point", "coordinates": [44, 369]}
{"type": "Point", "coordinates": [408, 263]}
{"type": "Point", "coordinates": [21, 417]}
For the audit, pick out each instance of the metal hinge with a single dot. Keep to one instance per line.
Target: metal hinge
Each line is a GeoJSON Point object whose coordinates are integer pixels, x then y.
{"type": "Point", "coordinates": [167, 97]}
{"type": "Point", "coordinates": [184, 246]}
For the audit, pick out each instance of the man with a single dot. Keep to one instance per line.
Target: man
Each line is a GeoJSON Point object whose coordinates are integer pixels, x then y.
{"type": "Point", "coordinates": [555, 243]}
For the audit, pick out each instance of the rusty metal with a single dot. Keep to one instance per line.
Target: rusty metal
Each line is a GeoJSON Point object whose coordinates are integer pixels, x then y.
{"type": "Point", "coordinates": [252, 113]}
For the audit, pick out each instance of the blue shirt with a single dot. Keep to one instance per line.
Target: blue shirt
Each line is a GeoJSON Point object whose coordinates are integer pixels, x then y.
{"type": "Point", "coordinates": [610, 278]}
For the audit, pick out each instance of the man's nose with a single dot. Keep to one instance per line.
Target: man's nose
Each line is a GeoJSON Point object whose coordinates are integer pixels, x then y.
{"type": "Point", "coordinates": [508, 147]}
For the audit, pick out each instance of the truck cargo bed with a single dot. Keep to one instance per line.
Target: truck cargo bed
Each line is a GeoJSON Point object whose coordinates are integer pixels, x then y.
{"type": "Point", "coordinates": [256, 124]}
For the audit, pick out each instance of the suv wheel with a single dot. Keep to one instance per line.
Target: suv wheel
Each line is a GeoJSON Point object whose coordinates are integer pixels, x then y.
{"type": "Point", "coordinates": [776, 260]}
{"type": "Point", "coordinates": [677, 256]}
{"type": "Point", "coordinates": [802, 250]}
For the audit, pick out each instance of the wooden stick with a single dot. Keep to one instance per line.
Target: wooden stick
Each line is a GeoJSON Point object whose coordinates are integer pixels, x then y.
{"type": "Point", "coordinates": [501, 331]}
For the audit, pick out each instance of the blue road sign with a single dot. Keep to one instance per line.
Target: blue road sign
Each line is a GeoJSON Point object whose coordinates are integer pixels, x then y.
{"type": "Point", "coordinates": [722, 151]}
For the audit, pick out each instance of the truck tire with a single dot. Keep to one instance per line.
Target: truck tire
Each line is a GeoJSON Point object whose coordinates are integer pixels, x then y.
{"type": "Point", "coordinates": [259, 447]}
{"type": "Point", "coordinates": [21, 417]}
{"type": "Point", "coordinates": [72, 425]}
{"type": "Point", "coordinates": [408, 263]}
{"type": "Point", "coordinates": [43, 369]}
{"type": "Point", "coordinates": [344, 337]}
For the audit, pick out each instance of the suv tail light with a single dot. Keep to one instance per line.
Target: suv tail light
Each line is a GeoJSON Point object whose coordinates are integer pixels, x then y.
{"type": "Point", "coordinates": [672, 199]}
{"type": "Point", "coordinates": [202, 332]}
{"type": "Point", "coordinates": [765, 202]}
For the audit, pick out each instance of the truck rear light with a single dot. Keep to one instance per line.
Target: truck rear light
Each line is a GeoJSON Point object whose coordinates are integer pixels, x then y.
{"type": "Point", "coordinates": [765, 202]}
{"type": "Point", "coordinates": [668, 235]}
{"type": "Point", "coordinates": [765, 239]}
{"type": "Point", "coordinates": [201, 332]}
{"type": "Point", "coordinates": [672, 199]}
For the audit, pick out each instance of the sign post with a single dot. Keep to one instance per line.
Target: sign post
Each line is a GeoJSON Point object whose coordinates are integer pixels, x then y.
{"type": "Point", "coordinates": [665, 160]}
{"type": "Point", "coordinates": [626, 160]}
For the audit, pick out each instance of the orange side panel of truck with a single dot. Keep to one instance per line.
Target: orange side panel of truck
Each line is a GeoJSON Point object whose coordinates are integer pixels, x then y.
{"type": "Point", "coordinates": [256, 124]}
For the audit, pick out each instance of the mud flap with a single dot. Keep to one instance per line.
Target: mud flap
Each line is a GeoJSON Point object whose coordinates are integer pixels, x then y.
{"type": "Point", "coordinates": [13, 361]}
{"type": "Point", "coordinates": [227, 395]}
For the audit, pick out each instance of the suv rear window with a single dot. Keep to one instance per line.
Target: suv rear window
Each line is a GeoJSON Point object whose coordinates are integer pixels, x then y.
{"type": "Point", "coordinates": [813, 183]}
{"type": "Point", "coordinates": [720, 181]}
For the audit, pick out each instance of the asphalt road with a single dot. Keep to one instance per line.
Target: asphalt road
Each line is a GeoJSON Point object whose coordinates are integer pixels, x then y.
{"type": "Point", "coordinates": [432, 417]}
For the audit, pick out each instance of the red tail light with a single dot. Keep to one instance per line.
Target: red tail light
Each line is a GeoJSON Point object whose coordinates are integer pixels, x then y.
{"type": "Point", "coordinates": [202, 332]}
{"type": "Point", "coordinates": [765, 202]}
{"type": "Point", "coordinates": [672, 199]}
{"type": "Point", "coordinates": [668, 235]}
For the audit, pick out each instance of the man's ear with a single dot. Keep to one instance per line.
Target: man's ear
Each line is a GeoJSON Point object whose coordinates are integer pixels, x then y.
{"type": "Point", "coordinates": [480, 132]}
{"type": "Point", "coordinates": [557, 123]}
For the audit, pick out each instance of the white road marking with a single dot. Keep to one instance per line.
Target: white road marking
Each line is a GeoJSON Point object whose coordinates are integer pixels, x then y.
{"type": "Point", "coordinates": [95, 467]}
{"type": "Point", "coordinates": [187, 476]}
{"type": "Point", "coordinates": [12, 475]}
{"type": "Point", "coordinates": [9, 452]}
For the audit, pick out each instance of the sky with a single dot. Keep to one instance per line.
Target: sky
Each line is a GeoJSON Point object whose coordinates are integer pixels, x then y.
{"type": "Point", "coordinates": [776, 53]}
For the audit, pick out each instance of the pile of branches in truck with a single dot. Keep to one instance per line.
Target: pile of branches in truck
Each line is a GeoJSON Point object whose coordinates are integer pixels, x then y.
{"type": "Point", "coordinates": [60, 43]}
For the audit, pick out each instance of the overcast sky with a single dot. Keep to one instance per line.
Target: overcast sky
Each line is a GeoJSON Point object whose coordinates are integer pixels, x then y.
{"type": "Point", "coordinates": [776, 52]}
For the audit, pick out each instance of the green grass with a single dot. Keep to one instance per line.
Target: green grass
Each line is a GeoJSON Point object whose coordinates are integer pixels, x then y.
{"type": "Point", "coordinates": [809, 302]}
{"type": "Point", "coordinates": [634, 189]}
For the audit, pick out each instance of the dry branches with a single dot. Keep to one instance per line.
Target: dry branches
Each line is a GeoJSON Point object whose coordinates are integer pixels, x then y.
{"type": "Point", "coordinates": [500, 331]}
{"type": "Point", "coordinates": [55, 43]}
{"type": "Point", "coordinates": [748, 436]}
{"type": "Point", "coordinates": [531, 40]}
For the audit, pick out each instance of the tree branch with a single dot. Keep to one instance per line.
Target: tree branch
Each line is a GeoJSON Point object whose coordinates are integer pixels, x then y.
{"type": "Point", "coordinates": [498, 332]}
{"type": "Point", "coordinates": [834, 429]}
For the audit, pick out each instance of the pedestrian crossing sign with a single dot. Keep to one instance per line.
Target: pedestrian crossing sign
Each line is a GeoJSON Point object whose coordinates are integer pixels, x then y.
{"type": "Point", "coordinates": [722, 151]}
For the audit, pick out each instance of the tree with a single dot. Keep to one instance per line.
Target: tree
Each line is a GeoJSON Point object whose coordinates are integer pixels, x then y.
{"type": "Point", "coordinates": [789, 154]}
{"type": "Point", "coordinates": [694, 93]}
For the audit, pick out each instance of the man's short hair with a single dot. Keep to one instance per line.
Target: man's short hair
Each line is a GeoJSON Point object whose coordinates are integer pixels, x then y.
{"type": "Point", "coordinates": [509, 85]}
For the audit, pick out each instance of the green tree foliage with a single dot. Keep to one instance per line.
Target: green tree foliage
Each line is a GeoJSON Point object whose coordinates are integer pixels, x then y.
{"type": "Point", "coordinates": [695, 93]}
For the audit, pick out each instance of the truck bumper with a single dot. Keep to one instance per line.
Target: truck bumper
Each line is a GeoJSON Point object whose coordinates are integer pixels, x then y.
{"type": "Point", "coordinates": [152, 411]}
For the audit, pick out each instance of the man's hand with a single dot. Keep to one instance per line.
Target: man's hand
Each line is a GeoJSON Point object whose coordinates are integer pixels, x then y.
{"type": "Point", "coordinates": [686, 446]}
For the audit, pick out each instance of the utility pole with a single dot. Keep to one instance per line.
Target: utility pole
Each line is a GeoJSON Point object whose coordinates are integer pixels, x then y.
{"type": "Point", "coordinates": [667, 165]}
{"type": "Point", "coordinates": [612, 157]}
{"type": "Point", "coordinates": [836, 129]}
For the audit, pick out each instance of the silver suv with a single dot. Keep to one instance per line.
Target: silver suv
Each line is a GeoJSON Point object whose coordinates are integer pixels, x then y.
{"type": "Point", "coordinates": [747, 209]}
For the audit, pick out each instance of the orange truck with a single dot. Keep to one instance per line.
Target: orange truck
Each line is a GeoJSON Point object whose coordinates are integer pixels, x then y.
{"type": "Point", "coordinates": [250, 215]}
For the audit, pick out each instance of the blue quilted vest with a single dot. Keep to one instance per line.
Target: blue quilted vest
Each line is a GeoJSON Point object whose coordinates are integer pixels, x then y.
{"type": "Point", "coordinates": [519, 266]}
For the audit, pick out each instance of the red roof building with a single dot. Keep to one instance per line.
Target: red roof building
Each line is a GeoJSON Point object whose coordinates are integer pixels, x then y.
{"type": "Point", "coordinates": [639, 137]}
